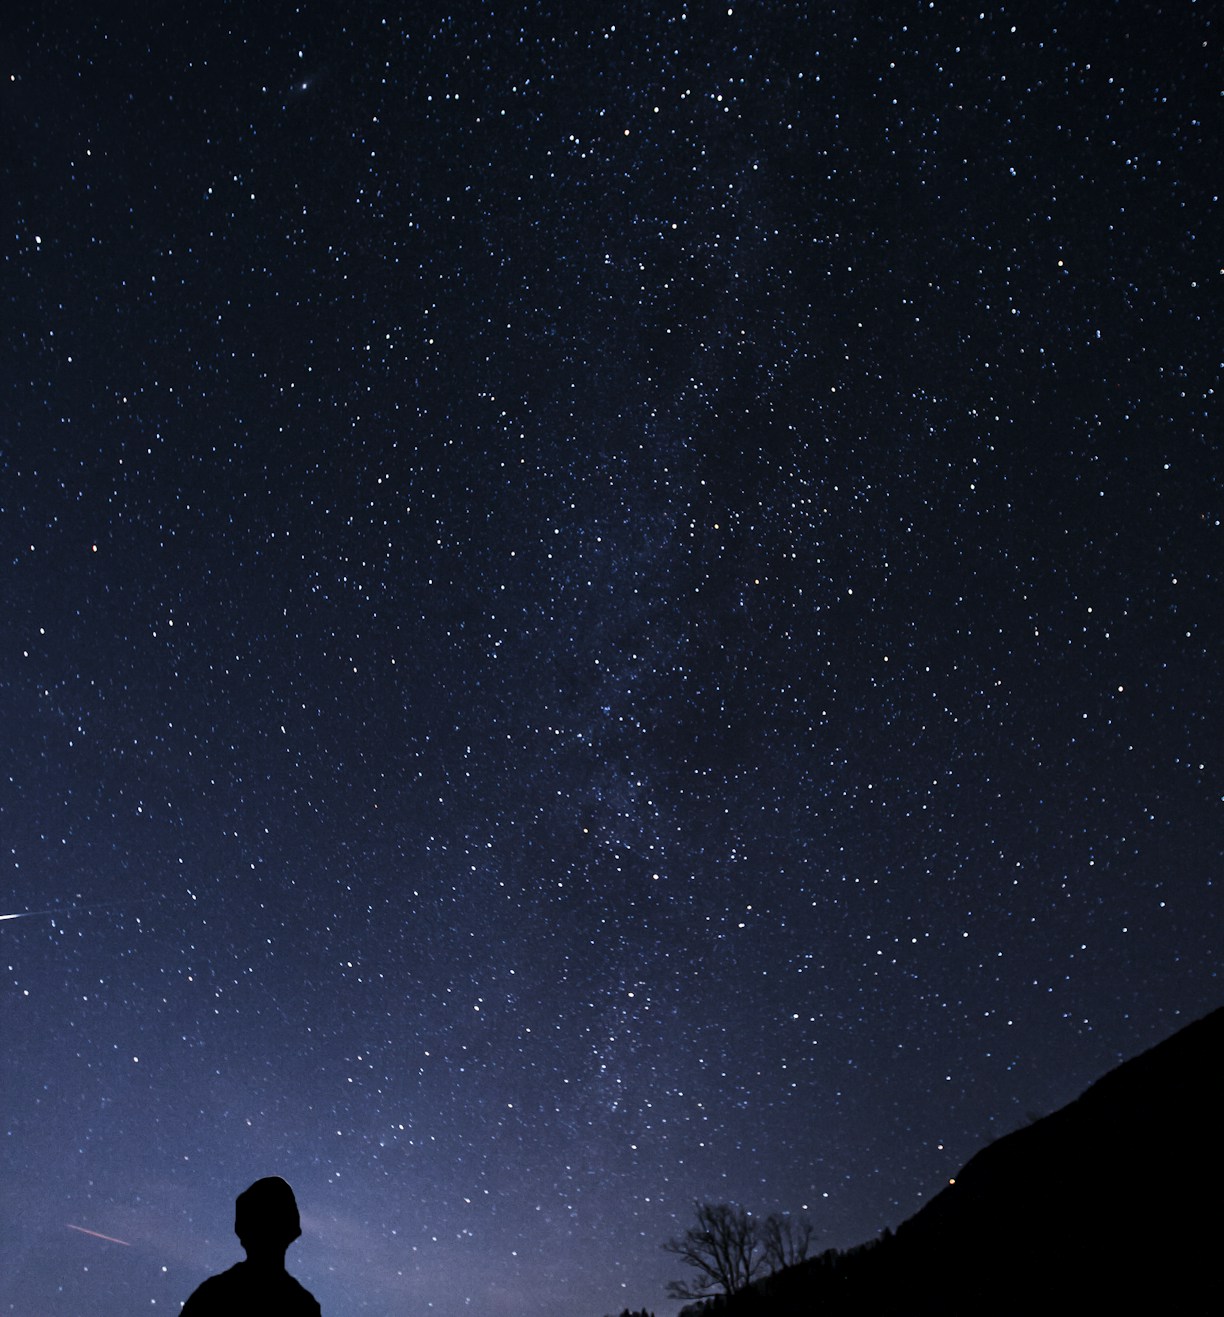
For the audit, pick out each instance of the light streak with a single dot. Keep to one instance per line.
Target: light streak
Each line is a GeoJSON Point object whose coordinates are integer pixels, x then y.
{"type": "Point", "coordinates": [110, 1239]}
{"type": "Point", "coordinates": [87, 909]}
{"type": "Point", "coordinates": [60, 910]}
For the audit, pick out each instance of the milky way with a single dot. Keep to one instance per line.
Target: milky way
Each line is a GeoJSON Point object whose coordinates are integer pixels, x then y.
{"type": "Point", "coordinates": [600, 611]}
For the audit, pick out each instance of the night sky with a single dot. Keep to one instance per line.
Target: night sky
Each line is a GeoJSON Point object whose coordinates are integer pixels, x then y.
{"type": "Point", "coordinates": [603, 606]}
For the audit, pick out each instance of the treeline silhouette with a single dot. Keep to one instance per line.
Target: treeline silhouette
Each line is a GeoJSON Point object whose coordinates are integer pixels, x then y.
{"type": "Point", "coordinates": [1108, 1203]}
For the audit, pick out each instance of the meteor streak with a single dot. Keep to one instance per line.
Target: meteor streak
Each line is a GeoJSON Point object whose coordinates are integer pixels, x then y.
{"type": "Point", "coordinates": [86, 909]}
{"type": "Point", "coordinates": [60, 910]}
{"type": "Point", "coordinates": [110, 1239]}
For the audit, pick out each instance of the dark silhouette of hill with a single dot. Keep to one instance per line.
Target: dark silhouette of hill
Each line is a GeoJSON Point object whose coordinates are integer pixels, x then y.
{"type": "Point", "coordinates": [1111, 1202]}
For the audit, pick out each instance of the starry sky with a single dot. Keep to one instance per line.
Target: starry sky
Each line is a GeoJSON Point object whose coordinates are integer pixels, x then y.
{"type": "Point", "coordinates": [603, 606]}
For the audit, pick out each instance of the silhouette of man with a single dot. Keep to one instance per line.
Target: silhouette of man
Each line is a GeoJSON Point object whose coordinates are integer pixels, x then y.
{"type": "Point", "coordinates": [266, 1222]}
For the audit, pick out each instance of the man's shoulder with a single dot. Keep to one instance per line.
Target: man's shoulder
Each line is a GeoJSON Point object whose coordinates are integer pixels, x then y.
{"type": "Point", "coordinates": [211, 1295]}
{"type": "Point", "coordinates": [230, 1292]}
{"type": "Point", "coordinates": [303, 1301]}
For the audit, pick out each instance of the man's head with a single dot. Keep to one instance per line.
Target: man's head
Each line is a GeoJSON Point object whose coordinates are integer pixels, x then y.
{"type": "Point", "coordinates": [266, 1216]}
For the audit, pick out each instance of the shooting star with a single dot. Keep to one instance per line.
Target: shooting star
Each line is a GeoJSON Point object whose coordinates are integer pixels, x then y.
{"type": "Point", "coordinates": [88, 909]}
{"type": "Point", "coordinates": [61, 910]}
{"type": "Point", "coordinates": [110, 1239]}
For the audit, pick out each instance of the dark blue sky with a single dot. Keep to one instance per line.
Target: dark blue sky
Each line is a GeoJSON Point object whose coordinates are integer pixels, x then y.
{"type": "Point", "coordinates": [601, 609]}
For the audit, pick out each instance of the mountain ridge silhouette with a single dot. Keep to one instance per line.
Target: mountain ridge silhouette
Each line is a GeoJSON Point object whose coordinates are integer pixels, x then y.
{"type": "Point", "coordinates": [1107, 1202]}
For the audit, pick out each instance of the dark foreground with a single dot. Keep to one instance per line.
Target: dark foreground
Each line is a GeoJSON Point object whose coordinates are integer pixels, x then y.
{"type": "Point", "coordinates": [1110, 1202]}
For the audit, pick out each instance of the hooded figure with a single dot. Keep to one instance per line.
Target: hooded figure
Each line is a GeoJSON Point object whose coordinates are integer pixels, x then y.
{"type": "Point", "coordinates": [266, 1222]}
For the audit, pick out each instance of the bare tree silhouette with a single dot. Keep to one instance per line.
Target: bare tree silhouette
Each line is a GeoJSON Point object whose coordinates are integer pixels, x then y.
{"type": "Point", "coordinates": [785, 1240]}
{"type": "Point", "coordinates": [724, 1249]}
